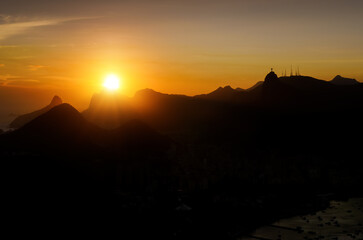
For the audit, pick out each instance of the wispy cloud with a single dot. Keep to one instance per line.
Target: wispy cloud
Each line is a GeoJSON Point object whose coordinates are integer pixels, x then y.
{"type": "Point", "coordinates": [35, 67]}
{"type": "Point", "coordinates": [12, 80]}
{"type": "Point", "coordinates": [48, 81]}
{"type": "Point", "coordinates": [10, 26]}
{"type": "Point", "coordinates": [15, 81]}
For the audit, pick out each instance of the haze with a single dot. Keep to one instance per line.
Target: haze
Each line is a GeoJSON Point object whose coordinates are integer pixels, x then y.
{"type": "Point", "coordinates": [186, 47]}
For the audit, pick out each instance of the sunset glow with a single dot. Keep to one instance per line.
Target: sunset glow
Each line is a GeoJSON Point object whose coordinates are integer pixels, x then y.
{"type": "Point", "coordinates": [174, 47]}
{"type": "Point", "coordinates": [205, 119]}
{"type": "Point", "coordinates": [112, 82]}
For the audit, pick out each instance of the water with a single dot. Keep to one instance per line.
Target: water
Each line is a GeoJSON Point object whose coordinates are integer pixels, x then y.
{"type": "Point", "coordinates": [342, 220]}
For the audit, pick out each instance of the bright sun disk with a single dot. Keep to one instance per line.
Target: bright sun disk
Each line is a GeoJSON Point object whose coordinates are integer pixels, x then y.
{"type": "Point", "coordinates": [111, 82]}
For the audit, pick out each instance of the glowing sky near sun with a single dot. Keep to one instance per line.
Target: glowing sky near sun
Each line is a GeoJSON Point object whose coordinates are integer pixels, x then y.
{"type": "Point", "coordinates": [111, 82]}
{"type": "Point", "coordinates": [187, 47]}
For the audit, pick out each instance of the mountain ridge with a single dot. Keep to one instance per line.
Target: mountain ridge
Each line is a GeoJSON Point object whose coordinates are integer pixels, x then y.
{"type": "Point", "coordinates": [339, 80]}
{"type": "Point", "coordinates": [25, 118]}
{"type": "Point", "coordinates": [109, 111]}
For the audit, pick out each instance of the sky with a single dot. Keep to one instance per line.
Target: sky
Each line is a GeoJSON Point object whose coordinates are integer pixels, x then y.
{"type": "Point", "coordinates": [186, 47]}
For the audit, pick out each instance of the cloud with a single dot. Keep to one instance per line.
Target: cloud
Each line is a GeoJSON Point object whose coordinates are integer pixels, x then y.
{"type": "Point", "coordinates": [4, 18]}
{"type": "Point", "coordinates": [2, 65]}
{"type": "Point", "coordinates": [22, 83]}
{"type": "Point", "coordinates": [15, 81]}
{"type": "Point", "coordinates": [35, 67]}
{"type": "Point", "coordinates": [10, 29]}
{"type": "Point", "coordinates": [51, 81]}
{"type": "Point", "coordinates": [10, 26]}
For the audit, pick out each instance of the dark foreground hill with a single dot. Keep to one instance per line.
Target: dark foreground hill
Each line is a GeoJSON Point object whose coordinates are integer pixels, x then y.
{"type": "Point", "coordinates": [25, 118]}
{"type": "Point", "coordinates": [60, 152]}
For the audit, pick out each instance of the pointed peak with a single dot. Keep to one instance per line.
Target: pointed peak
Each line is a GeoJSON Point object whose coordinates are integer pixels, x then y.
{"type": "Point", "coordinates": [56, 101]}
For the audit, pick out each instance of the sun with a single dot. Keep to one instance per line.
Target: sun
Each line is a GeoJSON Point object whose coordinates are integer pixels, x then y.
{"type": "Point", "coordinates": [111, 82]}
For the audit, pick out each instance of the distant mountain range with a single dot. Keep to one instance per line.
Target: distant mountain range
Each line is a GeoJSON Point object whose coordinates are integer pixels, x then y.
{"type": "Point", "coordinates": [169, 112]}
{"type": "Point", "coordinates": [226, 93]}
{"type": "Point", "coordinates": [287, 111]}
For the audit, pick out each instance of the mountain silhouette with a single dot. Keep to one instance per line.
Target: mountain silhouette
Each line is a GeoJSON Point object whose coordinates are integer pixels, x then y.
{"type": "Point", "coordinates": [109, 111]}
{"type": "Point", "coordinates": [226, 154]}
{"type": "Point", "coordinates": [170, 112]}
{"type": "Point", "coordinates": [226, 93]}
{"type": "Point", "coordinates": [289, 109]}
{"type": "Point", "coordinates": [180, 114]}
{"type": "Point", "coordinates": [64, 129]}
{"type": "Point", "coordinates": [255, 86]}
{"type": "Point", "coordinates": [339, 80]}
{"type": "Point", "coordinates": [25, 118]}
{"type": "Point", "coordinates": [240, 89]}
{"type": "Point", "coordinates": [61, 157]}
{"type": "Point", "coordinates": [61, 128]}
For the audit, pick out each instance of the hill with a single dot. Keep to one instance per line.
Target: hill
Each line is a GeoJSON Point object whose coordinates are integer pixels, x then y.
{"type": "Point", "coordinates": [64, 128]}
{"type": "Point", "coordinates": [109, 111]}
{"type": "Point", "coordinates": [339, 80]}
{"type": "Point", "coordinates": [226, 93]}
{"type": "Point", "coordinates": [25, 118]}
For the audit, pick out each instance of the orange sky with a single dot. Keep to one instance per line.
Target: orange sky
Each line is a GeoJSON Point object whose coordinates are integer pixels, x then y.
{"type": "Point", "coordinates": [187, 47]}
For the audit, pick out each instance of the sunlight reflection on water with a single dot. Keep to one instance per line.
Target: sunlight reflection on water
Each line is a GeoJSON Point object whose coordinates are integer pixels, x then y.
{"type": "Point", "coordinates": [341, 220]}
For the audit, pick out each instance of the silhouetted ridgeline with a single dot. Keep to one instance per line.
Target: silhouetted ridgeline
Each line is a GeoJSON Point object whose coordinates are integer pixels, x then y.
{"type": "Point", "coordinates": [201, 166]}
{"type": "Point", "coordinates": [339, 80]}
{"type": "Point", "coordinates": [23, 119]}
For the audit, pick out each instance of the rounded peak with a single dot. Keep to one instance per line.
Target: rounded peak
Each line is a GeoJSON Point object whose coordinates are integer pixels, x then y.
{"type": "Point", "coordinates": [146, 92]}
{"type": "Point", "coordinates": [228, 87]}
{"type": "Point", "coordinates": [338, 78]}
{"type": "Point", "coordinates": [56, 101]}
